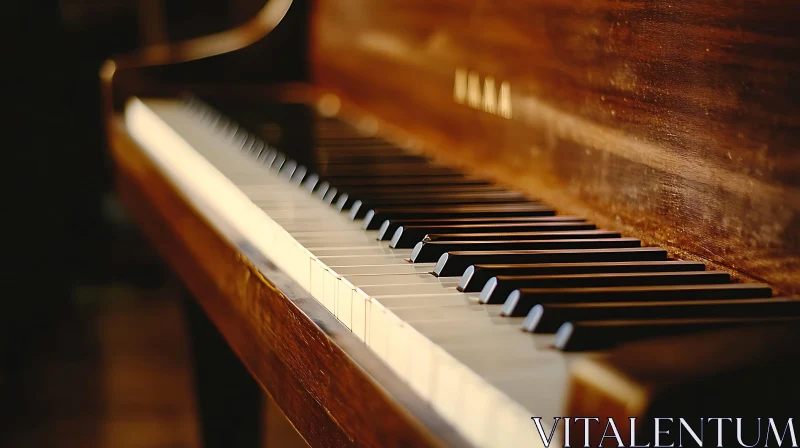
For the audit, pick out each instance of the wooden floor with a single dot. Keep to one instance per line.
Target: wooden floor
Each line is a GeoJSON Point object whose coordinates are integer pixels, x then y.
{"type": "Point", "coordinates": [115, 372]}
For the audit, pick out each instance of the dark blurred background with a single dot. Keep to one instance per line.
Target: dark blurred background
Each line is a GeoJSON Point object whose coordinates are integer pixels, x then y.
{"type": "Point", "coordinates": [93, 347]}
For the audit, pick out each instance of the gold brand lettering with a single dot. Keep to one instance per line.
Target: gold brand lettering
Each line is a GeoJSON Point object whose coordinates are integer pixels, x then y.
{"type": "Point", "coordinates": [505, 100]}
{"type": "Point", "coordinates": [474, 89]}
{"type": "Point", "coordinates": [460, 86]}
{"type": "Point", "coordinates": [489, 96]}
{"type": "Point", "coordinates": [467, 90]}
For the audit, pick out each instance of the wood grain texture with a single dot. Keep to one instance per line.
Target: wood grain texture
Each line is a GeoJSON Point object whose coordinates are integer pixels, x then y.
{"type": "Point", "coordinates": [675, 122]}
{"type": "Point", "coordinates": [746, 373]}
{"type": "Point", "coordinates": [332, 388]}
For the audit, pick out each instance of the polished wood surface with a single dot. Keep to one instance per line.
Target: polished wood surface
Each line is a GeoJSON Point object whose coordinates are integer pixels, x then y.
{"type": "Point", "coordinates": [673, 123]}
{"type": "Point", "coordinates": [746, 373]}
{"type": "Point", "coordinates": [332, 388]}
{"type": "Point", "coordinates": [676, 123]}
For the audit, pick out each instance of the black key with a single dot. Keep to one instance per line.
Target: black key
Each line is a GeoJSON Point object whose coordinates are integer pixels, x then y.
{"type": "Point", "coordinates": [373, 191]}
{"type": "Point", "coordinates": [522, 236]}
{"type": "Point", "coordinates": [361, 206]}
{"type": "Point", "coordinates": [257, 148]}
{"type": "Point", "coordinates": [548, 317]}
{"type": "Point", "coordinates": [375, 217]}
{"type": "Point", "coordinates": [427, 252]}
{"type": "Point", "coordinates": [476, 276]}
{"type": "Point", "coordinates": [338, 139]}
{"type": "Point", "coordinates": [583, 336]}
{"type": "Point", "coordinates": [288, 169]}
{"type": "Point", "coordinates": [408, 236]}
{"type": "Point", "coordinates": [389, 226]}
{"type": "Point", "coordinates": [267, 157]}
{"type": "Point", "coordinates": [455, 263]}
{"type": "Point", "coordinates": [521, 301]}
{"type": "Point", "coordinates": [342, 184]}
{"type": "Point", "coordinates": [356, 159]}
{"type": "Point", "coordinates": [261, 151]}
{"type": "Point", "coordinates": [330, 196]}
{"type": "Point", "coordinates": [346, 199]}
{"type": "Point", "coordinates": [298, 176]}
{"type": "Point", "coordinates": [359, 209]}
{"type": "Point", "coordinates": [390, 170]}
{"type": "Point", "coordinates": [293, 172]}
{"type": "Point", "coordinates": [310, 182]}
{"type": "Point", "coordinates": [334, 148]}
{"type": "Point", "coordinates": [331, 161]}
{"type": "Point", "coordinates": [354, 144]}
{"type": "Point", "coordinates": [498, 288]}
{"type": "Point", "coordinates": [368, 182]}
{"type": "Point", "coordinates": [277, 162]}
{"type": "Point", "coordinates": [438, 193]}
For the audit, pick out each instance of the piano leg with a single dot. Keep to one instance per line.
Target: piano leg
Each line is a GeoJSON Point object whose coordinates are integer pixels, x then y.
{"type": "Point", "coordinates": [228, 398]}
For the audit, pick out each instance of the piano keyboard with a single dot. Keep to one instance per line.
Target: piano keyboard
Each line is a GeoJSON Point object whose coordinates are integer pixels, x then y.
{"type": "Point", "coordinates": [439, 272]}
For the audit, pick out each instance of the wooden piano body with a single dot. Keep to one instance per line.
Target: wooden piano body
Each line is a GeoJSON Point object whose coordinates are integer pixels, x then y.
{"type": "Point", "coordinates": [673, 123]}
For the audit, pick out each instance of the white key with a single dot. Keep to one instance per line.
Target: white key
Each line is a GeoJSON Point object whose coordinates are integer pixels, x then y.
{"type": "Point", "coordinates": [479, 370]}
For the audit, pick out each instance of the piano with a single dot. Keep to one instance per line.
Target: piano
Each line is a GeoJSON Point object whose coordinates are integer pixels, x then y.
{"type": "Point", "coordinates": [425, 223]}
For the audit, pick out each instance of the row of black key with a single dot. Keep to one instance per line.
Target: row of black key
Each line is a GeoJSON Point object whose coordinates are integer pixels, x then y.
{"type": "Point", "coordinates": [593, 288]}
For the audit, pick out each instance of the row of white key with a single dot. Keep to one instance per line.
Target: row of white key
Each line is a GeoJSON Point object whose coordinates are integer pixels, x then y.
{"type": "Point", "coordinates": [467, 362]}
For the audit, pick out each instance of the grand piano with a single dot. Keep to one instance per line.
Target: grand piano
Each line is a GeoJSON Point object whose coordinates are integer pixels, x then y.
{"type": "Point", "coordinates": [423, 223]}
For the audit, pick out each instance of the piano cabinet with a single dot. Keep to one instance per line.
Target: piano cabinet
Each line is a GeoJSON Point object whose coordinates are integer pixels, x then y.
{"type": "Point", "coordinates": [673, 125]}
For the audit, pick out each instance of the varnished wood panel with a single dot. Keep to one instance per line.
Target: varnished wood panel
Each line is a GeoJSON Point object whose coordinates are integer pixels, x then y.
{"type": "Point", "coordinates": [323, 378]}
{"type": "Point", "coordinates": [675, 122]}
{"type": "Point", "coordinates": [747, 373]}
